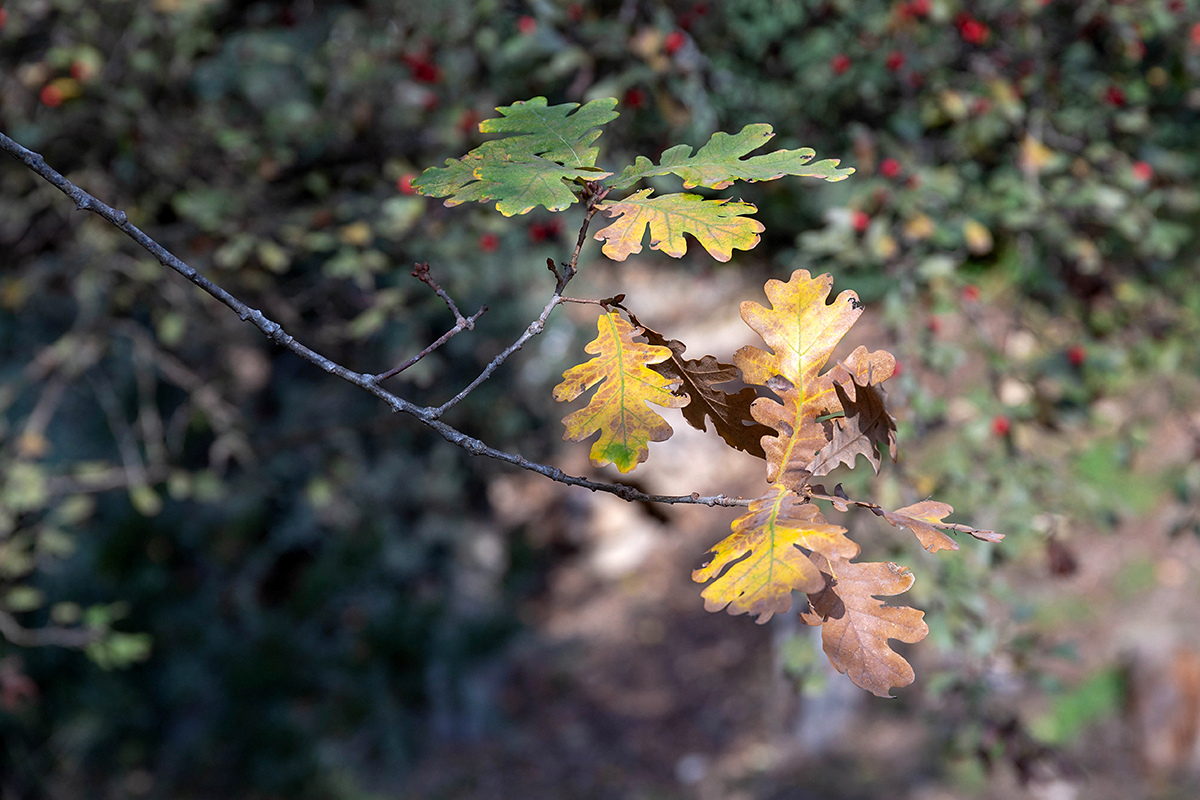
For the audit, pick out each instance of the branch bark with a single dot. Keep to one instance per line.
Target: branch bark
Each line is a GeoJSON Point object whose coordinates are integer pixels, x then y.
{"type": "Point", "coordinates": [369, 383]}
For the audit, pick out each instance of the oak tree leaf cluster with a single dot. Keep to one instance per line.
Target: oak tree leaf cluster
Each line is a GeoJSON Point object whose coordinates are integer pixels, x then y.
{"type": "Point", "coordinates": [786, 403]}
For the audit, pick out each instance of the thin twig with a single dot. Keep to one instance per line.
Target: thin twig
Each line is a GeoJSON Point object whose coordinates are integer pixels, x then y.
{"type": "Point", "coordinates": [464, 324]}
{"type": "Point", "coordinates": [51, 636]}
{"type": "Point", "coordinates": [538, 325]}
{"type": "Point", "coordinates": [421, 273]}
{"type": "Point", "coordinates": [274, 332]}
{"type": "Point", "coordinates": [461, 323]}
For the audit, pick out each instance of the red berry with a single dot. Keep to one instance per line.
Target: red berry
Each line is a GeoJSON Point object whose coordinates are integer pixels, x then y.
{"type": "Point", "coordinates": [889, 168]}
{"type": "Point", "coordinates": [1115, 96]}
{"type": "Point", "coordinates": [467, 121]}
{"type": "Point", "coordinates": [860, 220]}
{"type": "Point", "coordinates": [1142, 171]}
{"type": "Point", "coordinates": [919, 8]}
{"type": "Point", "coordinates": [933, 324]}
{"type": "Point", "coordinates": [895, 61]}
{"type": "Point", "coordinates": [839, 63]}
{"type": "Point", "coordinates": [970, 293]}
{"type": "Point", "coordinates": [973, 31]}
{"type": "Point", "coordinates": [404, 183]}
{"type": "Point", "coordinates": [1195, 34]}
{"type": "Point", "coordinates": [81, 71]}
{"type": "Point", "coordinates": [423, 70]}
{"type": "Point", "coordinates": [1001, 425]}
{"type": "Point", "coordinates": [1077, 355]}
{"type": "Point", "coordinates": [635, 98]}
{"type": "Point", "coordinates": [489, 242]}
{"type": "Point", "coordinates": [544, 231]}
{"type": "Point", "coordinates": [674, 41]}
{"type": "Point", "coordinates": [527, 25]}
{"type": "Point", "coordinates": [51, 96]}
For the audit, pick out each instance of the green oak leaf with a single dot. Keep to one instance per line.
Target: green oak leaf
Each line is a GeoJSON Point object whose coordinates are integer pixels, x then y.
{"type": "Point", "coordinates": [719, 163]}
{"type": "Point", "coordinates": [550, 148]}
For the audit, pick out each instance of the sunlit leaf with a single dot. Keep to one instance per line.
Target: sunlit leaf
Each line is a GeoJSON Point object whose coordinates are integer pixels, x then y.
{"type": "Point", "coordinates": [720, 226]}
{"type": "Point", "coordinates": [802, 331]}
{"type": "Point", "coordinates": [618, 409]}
{"type": "Point", "coordinates": [548, 149]}
{"type": "Point", "coordinates": [768, 539]}
{"type": "Point", "coordinates": [552, 132]}
{"type": "Point", "coordinates": [719, 162]}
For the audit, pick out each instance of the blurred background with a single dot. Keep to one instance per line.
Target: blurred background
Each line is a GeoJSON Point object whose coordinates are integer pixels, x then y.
{"type": "Point", "coordinates": [224, 573]}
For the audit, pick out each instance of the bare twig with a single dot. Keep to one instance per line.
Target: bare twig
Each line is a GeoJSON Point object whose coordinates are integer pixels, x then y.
{"type": "Point", "coordinates": [50, 636]}
{"type": "Point", "coordinates": [427, 415]}
{"type": "Point", "coordinates": [592, 197]}
{"type": "Point", "coordinates": [461, 323]}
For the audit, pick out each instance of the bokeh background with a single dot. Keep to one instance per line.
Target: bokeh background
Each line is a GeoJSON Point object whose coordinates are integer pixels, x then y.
{"type": "Point", "coordinates": [224, 573]}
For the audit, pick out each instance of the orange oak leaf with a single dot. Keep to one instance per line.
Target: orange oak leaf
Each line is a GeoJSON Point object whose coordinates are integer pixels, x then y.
{"type": "Point", "coordinates": [925, 519]}
{"type": "Point", "coordinates": [865, 426]}
{"type": "Point", "coordinates": [856, 626]}
{"type": "Point", "coordinates": [729, 412]}
{"type": "Point", "coordinates": [767, 540]}
{"type": "Point", "coordinates": [801, 329]}
{"type": "Point", "coordinates": [618, 409]}
{"type": "Point", "coordinates": [720, 226]}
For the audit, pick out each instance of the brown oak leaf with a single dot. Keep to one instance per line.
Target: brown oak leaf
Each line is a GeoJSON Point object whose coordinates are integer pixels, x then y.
{"type": "Point", "coordinates": [866, 425]}
{"type": "Point", "coordinates": [856, 627]}
{"type": "Point", "coordinates": [925, 519]}
{"type": "Point", "coordinates": [729, 412]}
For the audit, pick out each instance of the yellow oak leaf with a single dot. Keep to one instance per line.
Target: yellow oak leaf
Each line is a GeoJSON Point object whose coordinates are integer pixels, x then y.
{"type": "Point", "coordinates": [618, 409]}
{"type": "Point", "coordinates": [720, 226]}
{"type": "Point", "coordinates": [767, 540]}
{"type": "Point", "coordinates": [802, 330]}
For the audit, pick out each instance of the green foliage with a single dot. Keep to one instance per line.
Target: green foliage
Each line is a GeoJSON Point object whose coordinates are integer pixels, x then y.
{"type": "Point", "coordinates": [550, 150]}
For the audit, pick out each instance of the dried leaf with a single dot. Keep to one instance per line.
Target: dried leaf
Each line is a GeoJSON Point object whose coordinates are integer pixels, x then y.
{"type": "Point", "coordinates": [866, 426]}
{"type": "Point", "coordinates": [720, 226]}
{"type": "Point", "coordinates": [719, 162]}
{"type": "Point", "coordinates": [802, 331]}
{"type": "Point", "coordinates": [730, 413]}
{"type": "Point", "coordinates": [925, 518]}
{"type": "Point", "coordinates": [856, 627]}
{"type": "Point", "coordinates": [618, 409]}
{"type": "Point", "coordinates": [767, 539]}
